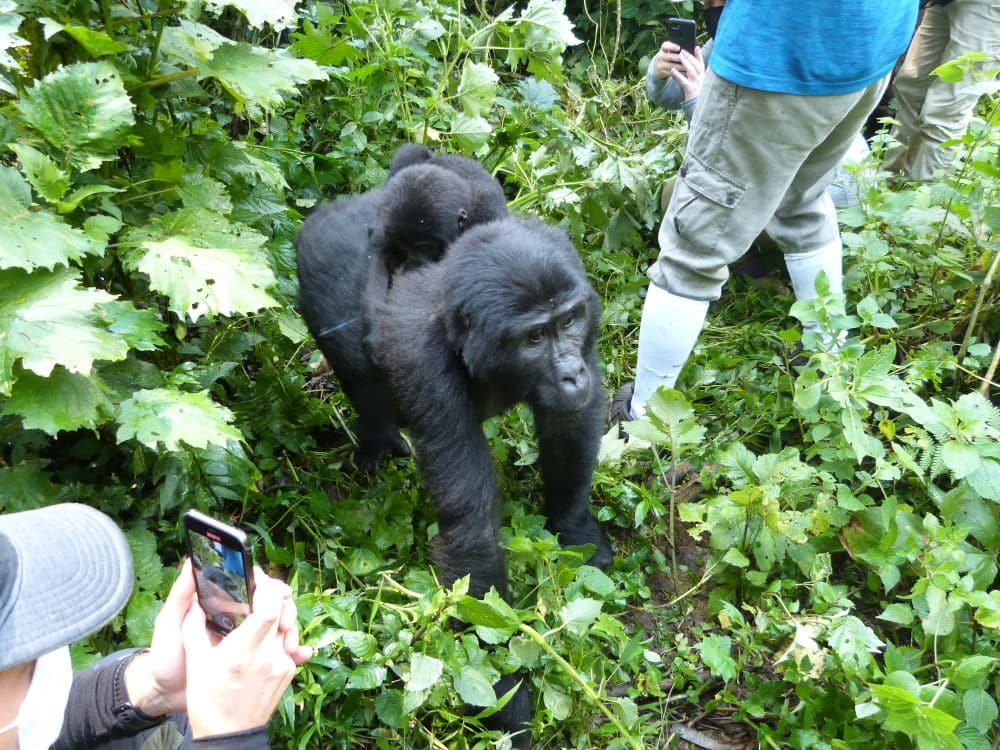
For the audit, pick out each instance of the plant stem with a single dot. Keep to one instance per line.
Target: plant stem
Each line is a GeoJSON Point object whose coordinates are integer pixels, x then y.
{"type": "Point", "coordinates": [984, 289]}
{"type": "Point", "coordinates": [579, 680]}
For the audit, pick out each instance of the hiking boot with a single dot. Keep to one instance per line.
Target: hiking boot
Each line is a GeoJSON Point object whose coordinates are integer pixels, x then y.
{"type": "Point", "coordinates": [621, 407]}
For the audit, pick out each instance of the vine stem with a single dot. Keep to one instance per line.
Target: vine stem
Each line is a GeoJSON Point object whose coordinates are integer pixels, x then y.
{"type": "Point", "coordinates": [579, 680]}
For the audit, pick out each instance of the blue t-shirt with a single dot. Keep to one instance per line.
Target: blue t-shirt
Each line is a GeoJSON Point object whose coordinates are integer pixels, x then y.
{"type": "Point", "coordinates": [813, 47]}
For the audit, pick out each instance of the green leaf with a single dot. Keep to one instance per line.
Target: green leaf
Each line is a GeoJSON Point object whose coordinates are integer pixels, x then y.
{"type": "Point", "coordinates": [986, 479]}
{"type": "Point", "coordinates": [595, 580]}
{"type": "Point", "coordinates": [256, 77]}
{"type": "Point", "coordinates": [82, 110]}
{"type": "Point", "coordinates": [557, 702]}
{"type": "Point", "coordinates": [36, 239]}
{"type": "Point", "coordinates": [547, 25]}
{"type": "Point", "coordinates": [205, 264]}
{"type": "Point", "coordinates": [980, 709]}
{"type": "Point", "coordinates": [145, 560]}
{"type": "Point", "coordinates": [47, 320]}
{"type": "Point", "coordinates": [140, 617]}
{"type": "Point", "coordinates": [9, 24]}
{"type": "Point", "coordinates": [670, 412]}
{"type": "Point", "coordinates": [736, 558]}
{"type": "Point", "coordinates": [78, 196]}
{"type": "Point", "coordinates": [366, 677]}
{"type": "Point", "coordinates": [175, 417]}
{"type": "Point", "coordinates": [898, 613]}
{"type": "Point", "coordinates": [62, 401]}
{"type": "Point", "coordinates": [470, 131]}
{"type": "Point", "coordinates": [26, 486]}
{"type": "Point", "coordinates": [474, 688]}
{"type": "Point", "coordinates": [280, 14]}
{"type": "Point", "coordinates": [972, 671]}
{"type": "Point", "coordinates": [97, 43]}
{"type": "Point", "coordinates": [489, 614]}
{"type": "Point", "coordinates": [139, 328]}
{"type": "Point", "coordinates": [960, 459]}
{"type": "Point", "coordinates": [540, 94]}
{"type": "Point", "coordinates": [389, 708]}
{"type": "Point", "coordinates": [853, 640]}
{"type": "Point", "coordinates": [579, 614]}
{"type": "Point", "coordinates": [715, 652]}
{"type": "Point", "coordinates": [44, 174]}
{"type": "Point", "coordinates": [477, 88]}
{"type": "Point", "coordinates": [940, 618]}
{"type": "Point", "coordinates": [425, 671]}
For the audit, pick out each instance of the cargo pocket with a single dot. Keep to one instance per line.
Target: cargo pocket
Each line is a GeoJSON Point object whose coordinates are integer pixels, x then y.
{"type": "Point", "coordinates": [705, 199]}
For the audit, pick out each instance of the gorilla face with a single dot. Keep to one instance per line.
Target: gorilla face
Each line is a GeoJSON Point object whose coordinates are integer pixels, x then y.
{"type": "Point", "coordinates": [547, 355]}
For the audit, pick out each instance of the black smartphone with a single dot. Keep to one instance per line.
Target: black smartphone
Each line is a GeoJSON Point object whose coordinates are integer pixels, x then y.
{"type": "Point", "coordinates": [223, 570]}
{"type": "Point", "coordinates": [680, 31]}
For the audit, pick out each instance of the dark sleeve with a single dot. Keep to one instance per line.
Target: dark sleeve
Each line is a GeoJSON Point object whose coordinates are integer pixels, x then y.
{"type": "Point", "coordinates": [251, 739]}
{"type": "Point", "coordinates": [89, 716]}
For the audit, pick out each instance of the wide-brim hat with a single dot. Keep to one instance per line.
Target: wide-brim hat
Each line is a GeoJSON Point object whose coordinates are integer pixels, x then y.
{"type": "Point", "coordinates": [65, 571]}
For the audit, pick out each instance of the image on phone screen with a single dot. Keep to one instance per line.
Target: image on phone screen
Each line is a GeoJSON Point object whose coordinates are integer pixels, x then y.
{"type": "Point", "coordinates": [220, 579]}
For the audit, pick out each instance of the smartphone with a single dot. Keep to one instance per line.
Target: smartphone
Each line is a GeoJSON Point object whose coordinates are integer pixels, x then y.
{"type": "Point", "coordinates": [223, 570]}
{"type": "Point", "coordinates": [680, 31]}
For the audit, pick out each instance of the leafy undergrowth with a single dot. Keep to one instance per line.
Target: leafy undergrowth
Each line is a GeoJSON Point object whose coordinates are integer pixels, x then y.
{"type": "Point", "coordinates": [806, 545]}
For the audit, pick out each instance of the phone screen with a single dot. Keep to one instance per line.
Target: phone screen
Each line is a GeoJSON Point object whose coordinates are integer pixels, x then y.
{"type": "Point", "coordinates": [220, 576]}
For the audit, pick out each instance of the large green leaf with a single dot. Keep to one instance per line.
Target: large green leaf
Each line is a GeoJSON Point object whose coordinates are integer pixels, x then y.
{"type": "Point", "coordinates": [258, 77]}
{"type": "Point", "coordinates": [46, 319]}
{"type": "Point", "coordinates": [82, 110]}
{"type": "Point", "coordinates": [280, 14]}
{"type": "Point", "coordinates": [9, 24]}
{"type": "Point", "coordinates": [63, 401]}
{"type": "Point", "coordinates": [175, 417]}
{"type": "Point", "coordinates": [43, 173]}
{"type": "Point", "coordinates": [203, 263]}
{"type": "Point", "coordinates": [36, 239]}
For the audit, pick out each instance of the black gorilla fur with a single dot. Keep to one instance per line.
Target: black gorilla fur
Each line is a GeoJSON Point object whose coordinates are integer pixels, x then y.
{"type": "Point", "coordinates": [353, 247]}
{"type": "Point", "coordinates": [505, 316]}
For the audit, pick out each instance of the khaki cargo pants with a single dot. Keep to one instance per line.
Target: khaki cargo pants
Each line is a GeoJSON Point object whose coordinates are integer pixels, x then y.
{"type": "Point", "coordinates": [755, 160]}
{"type": "Point", "coordinates": [931, 110]}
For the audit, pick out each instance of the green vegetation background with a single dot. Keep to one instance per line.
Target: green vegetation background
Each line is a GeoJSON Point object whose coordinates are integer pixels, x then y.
{"type": "Point", "coordinates": [807, 555]}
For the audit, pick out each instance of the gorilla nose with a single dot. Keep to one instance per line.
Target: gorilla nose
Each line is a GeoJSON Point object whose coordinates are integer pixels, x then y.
{"type": "Point", "coordinates": [574, 386]}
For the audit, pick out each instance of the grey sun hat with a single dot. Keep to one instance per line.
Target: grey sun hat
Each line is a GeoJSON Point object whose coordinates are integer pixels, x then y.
{"type": "Point", "coordinates": [65, 571]}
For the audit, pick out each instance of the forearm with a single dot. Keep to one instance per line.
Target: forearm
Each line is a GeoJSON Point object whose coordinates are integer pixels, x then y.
{"type": "Point", "coordinates": [90, 715]}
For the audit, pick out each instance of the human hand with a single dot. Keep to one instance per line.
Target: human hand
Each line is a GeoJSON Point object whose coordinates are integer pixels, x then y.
{"type": "Point", "coordinates": [155, 680]}
{"type": "Point", "coordinates": [690, 74]}
{"type": "Point", "coordinates": [666, 59]}
{"type": "Point", "coordinates": [235, 684]}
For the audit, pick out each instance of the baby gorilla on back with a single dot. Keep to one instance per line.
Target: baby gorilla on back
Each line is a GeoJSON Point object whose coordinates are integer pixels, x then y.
{"type": "Point", "coordinates": [434, 322]}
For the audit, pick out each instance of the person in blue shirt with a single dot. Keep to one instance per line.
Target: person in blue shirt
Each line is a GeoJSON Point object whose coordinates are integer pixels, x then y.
{"type": "Point", "coordinates": [787, 88]}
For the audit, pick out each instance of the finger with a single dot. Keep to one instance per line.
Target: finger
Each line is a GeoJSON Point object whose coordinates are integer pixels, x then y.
{"type": "Point", "coordinates": [669, 47]}
{"type": "Point", "coordinates": [302, 655]}
{"type": "Point", "coordinates": [291, 641]}
{"type": "Point", "coordinates": [194, 634]}
{"type": "Point", "coordinates": [262, 622]}
{"type": "Point", "coordinates": [289, 616]}
{"type": "Point", "coordinates": [181, 595]}
{"type": "Point", "coordinates": [697, 53]}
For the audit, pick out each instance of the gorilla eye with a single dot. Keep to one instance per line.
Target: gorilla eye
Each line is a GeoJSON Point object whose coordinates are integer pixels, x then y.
{"type": "Point", "coordinates": [568, 321]}
{"type": "Point", "coordinates": [536, 336]}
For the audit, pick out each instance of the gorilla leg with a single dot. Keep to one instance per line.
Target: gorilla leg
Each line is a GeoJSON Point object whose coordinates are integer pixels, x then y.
{"type": "Point", "coordinates": [377, 429]}
{"type": "Point", "coordinates": [567, 455]}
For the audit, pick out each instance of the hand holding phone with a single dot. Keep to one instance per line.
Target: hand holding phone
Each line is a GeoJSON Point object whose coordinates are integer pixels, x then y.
{"type": "Point", "coordinates": [223, 570]}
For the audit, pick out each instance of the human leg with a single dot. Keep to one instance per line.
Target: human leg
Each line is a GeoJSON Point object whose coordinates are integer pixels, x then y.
{"type": "Point", "coordinates": [912, 81]}
{"type": "Point", "coordinates": [973, 26]}
{"type": "Point", "coordinates": [713, 218]}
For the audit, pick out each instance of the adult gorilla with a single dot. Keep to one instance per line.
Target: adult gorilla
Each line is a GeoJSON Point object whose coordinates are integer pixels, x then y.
{"type": "Point", "coordinates": [505, 316]}
{"type": "Point", "coordinates": [347, 253]}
